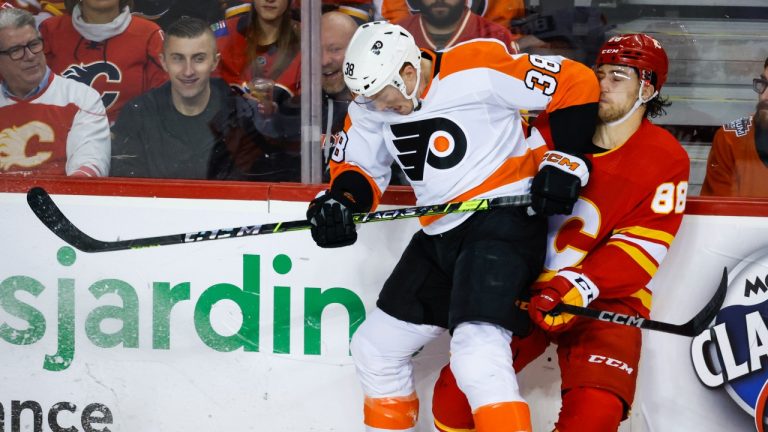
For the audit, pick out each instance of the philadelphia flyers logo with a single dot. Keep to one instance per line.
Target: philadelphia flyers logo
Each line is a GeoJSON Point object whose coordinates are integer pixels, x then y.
{"type": "Point", "coordinates": [376, 48]}
{"type": "Point", "coordinates": [89, 73]}
{"type": "Point", "coordinates": [437, 142]}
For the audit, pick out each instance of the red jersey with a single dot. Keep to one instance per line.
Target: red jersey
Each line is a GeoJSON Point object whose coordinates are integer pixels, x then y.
{"type": "Point", "coordinates": [734, 168]}
{"type": "Point", "coordinates": [626, 217]}
{"type": "Point", "coordinates": [234, 67]}
{"type": "Point", "coordinates": [471, 26]}
{"type": "Point", "coordinates": [119, 68]}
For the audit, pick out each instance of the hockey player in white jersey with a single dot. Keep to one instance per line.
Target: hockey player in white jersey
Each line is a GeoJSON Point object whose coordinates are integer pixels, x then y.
{"type": "Point", "coordinates": [452, 122]}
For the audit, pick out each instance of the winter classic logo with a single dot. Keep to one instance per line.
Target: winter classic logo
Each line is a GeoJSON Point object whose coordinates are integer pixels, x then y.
{"type": "Point", "coordinates": [731, 353]}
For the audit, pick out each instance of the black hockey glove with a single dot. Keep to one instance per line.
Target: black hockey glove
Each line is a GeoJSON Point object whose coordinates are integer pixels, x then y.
{"type": "Point", "coordinates": [331, 219]}
{"type": "Point", "coordinates": [555, 188]}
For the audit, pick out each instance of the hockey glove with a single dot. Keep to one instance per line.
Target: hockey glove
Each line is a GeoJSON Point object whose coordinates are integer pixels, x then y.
{"type": "Point", "coordinates": [555, 188]}
{"type": "Point", "coordinates": [331, 219]}
{"type": "Point", "coordinates": [569, 286]}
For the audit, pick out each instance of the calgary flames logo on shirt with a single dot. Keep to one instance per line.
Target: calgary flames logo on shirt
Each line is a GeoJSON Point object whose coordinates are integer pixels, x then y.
{"type": "Point", "coordinates": [13, 145]}
{"type": "Point", "coordinates": [89, 73]}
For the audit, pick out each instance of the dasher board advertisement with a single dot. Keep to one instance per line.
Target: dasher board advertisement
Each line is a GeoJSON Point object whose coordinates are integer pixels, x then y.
{"type": "Point", "coordinates": [252, 334]}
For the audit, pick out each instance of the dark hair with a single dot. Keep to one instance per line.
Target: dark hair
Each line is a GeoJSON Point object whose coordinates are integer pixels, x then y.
{"type": "Point", "coordinates": [188, 28]}
{"type": "Point", "coordinates": [70, 4]}
{"type": "Point", "coordinates": [766, 63]}
{"type": "Point", "coordinates": [288, 42]}
{"type": "Point", "coordinates": [655, 107]}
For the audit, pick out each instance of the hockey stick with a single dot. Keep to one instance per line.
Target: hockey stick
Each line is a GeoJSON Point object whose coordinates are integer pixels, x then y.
{"type": "Point", "coordinates": [51, 216]}
{"type": "Point", "coordinates": [692, 328]}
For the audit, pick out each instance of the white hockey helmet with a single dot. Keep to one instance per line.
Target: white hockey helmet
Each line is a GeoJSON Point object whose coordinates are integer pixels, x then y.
{"type": "Point", "coordinates": [374, 57]}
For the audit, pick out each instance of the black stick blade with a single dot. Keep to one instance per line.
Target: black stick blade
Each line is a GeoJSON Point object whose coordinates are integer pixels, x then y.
{"type": "Point", "coordinates": [50, 215]}
{"type": "Point", "coordinates": [704, 318]}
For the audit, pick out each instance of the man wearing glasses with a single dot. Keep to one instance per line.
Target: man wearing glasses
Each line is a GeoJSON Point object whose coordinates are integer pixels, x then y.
{"type": "Point", "coordinates": [48, 125]}
{"type": "Point", "coordinates": [738, 161]}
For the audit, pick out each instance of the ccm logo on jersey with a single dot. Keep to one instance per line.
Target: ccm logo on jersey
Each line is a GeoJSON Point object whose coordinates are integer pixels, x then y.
{"type": "Point", "coordinates": [612, 362]}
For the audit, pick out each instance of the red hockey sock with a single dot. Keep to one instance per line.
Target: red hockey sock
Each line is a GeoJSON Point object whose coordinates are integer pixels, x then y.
{"type": "Point", "coordinates": [590, 409]}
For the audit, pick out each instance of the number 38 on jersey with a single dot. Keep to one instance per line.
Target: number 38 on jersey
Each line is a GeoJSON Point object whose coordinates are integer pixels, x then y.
{"type": "Point", "coordinates": [542, 78]}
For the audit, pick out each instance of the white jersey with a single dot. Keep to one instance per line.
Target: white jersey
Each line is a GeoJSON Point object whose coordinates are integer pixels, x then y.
{"type": "Point", "coordinates": [61, 130]}
{"type": "Point", "coordinates": [466, 140]}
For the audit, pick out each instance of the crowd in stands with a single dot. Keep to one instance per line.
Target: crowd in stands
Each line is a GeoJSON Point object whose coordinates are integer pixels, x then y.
{"type": "Point", "coordinates": [232, 110]}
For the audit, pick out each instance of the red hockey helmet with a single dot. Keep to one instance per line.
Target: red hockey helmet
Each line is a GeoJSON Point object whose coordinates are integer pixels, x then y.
{"type": "Point", "coordinates": [639, 51]}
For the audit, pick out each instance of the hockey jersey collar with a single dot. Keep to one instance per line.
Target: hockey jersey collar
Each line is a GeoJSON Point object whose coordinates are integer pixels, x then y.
{"type": "Point", "coordinates": [435, 58]}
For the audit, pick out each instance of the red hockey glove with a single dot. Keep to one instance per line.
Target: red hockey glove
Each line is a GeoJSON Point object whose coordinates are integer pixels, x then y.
{"type": "Point", "coordinates": [569, 286]}
{"type": "Point", "coordinates": [555, 188]}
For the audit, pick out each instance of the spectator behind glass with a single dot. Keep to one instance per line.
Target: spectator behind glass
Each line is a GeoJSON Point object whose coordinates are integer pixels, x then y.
{"type": "Point", "coordinates": [192, 127]}
{"type": "Point", "coordinates": [738, 162]}
{"type": "Point", "coordinates": [40, 9]}
{"type": "Point", "coordinates": [575, 32]}
{"type": "Point", "coordinates": [48, 124]}
{"type": "Point", "coordinates": [102, 45]}
{"type": "Point", "coordinates": [361, 11]}
{"type": "Point", "coordinates": [166, 12]}
{"type": "Point", "coordinates": [444, 23]}
{"type": "Point", "coordinates": [336, 30]}
{"type": "Point", "coordinates": [498, 11]}
{"type": "Point", "coordinates": [265, 43]}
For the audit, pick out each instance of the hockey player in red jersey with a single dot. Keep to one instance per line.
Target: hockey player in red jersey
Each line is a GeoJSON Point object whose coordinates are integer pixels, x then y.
{"type": "Point", "coordinates": [452, 122]}
{"type": "Point", "coordinates": [606, 252]}
{"type": "Point", "coordinates": [100, 44]}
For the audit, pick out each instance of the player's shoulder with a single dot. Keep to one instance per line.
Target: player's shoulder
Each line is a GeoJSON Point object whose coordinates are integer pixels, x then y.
{"type": "Point", "coordinates": [474, 54]}
{"type": "Point", "coordinates": [478, 46]}
{"type": "Point", "coordinates": [660, 141]}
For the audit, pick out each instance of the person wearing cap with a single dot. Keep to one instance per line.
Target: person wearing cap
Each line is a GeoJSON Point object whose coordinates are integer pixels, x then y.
{"type": "Point", "coordinates": [452, 123]}
{"type": "Point", "coordinates": [606, 252]}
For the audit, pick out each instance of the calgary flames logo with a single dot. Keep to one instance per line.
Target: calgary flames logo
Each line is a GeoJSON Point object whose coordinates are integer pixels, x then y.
{"type": "Point", "coordinates": [13, 145]}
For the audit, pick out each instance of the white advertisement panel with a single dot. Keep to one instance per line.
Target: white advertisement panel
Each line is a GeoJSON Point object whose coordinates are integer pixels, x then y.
{"type": "Point", "coordinates": [252, 334]}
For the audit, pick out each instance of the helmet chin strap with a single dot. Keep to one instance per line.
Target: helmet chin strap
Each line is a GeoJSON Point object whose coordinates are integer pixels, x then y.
{"type": "Point", "coordinates": [412, 97]}
{"type": "Point", "coordinates": [638, 101]}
